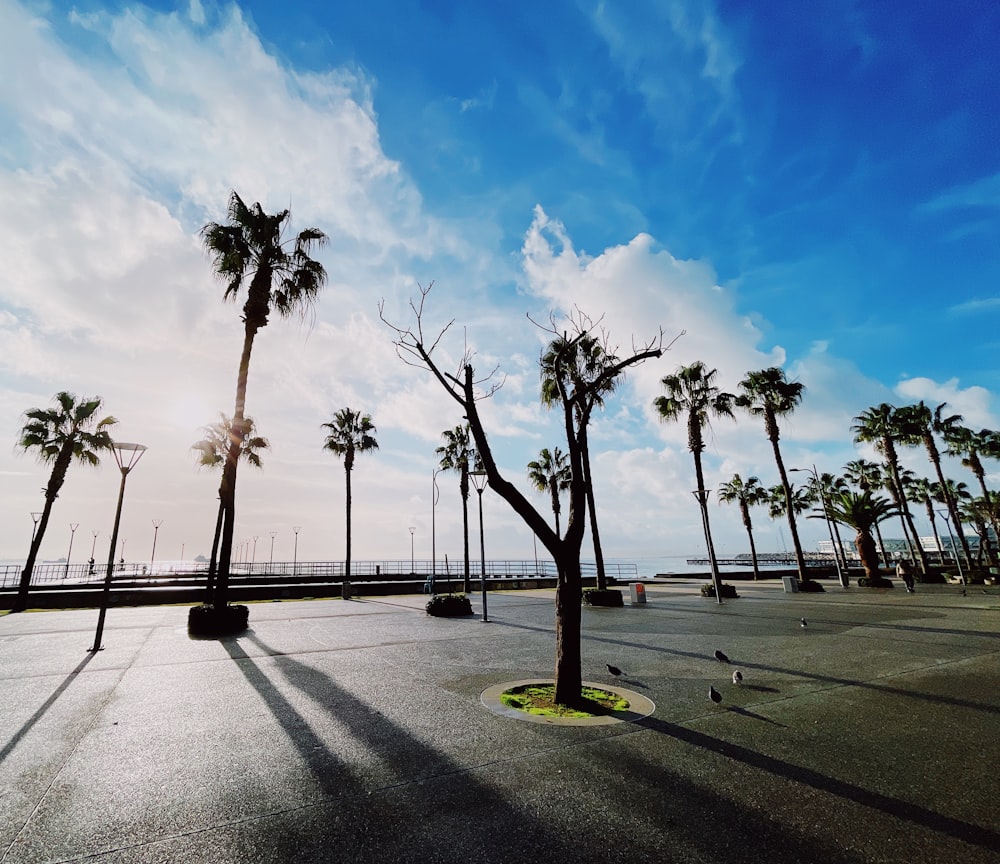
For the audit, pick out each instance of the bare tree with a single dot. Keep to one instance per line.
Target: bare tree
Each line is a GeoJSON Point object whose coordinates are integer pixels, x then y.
{"type": "Point", "coordinates": [577, 397]}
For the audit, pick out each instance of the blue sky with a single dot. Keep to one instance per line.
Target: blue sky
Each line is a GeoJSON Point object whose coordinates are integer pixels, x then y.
{"type": "Point", "coordinates": [817, 188]}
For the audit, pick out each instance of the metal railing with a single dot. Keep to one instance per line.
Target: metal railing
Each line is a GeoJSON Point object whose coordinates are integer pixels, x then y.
{"type": "Point", "coordinates": [54, 574]}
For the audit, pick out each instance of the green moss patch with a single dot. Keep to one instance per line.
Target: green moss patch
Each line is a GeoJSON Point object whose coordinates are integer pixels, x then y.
{"type": "Point", "coordinates": [539, 699]}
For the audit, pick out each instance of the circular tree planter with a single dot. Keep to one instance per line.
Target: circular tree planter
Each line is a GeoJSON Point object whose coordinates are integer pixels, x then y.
{"type": "Point", "coordinates": [605, 597]}
{"type": "Point", "coordinates": [206, 620]}
{"type": "Point", "coordinates": [728, 591]}
{"type": "Point", "coordinates": [449, 606]}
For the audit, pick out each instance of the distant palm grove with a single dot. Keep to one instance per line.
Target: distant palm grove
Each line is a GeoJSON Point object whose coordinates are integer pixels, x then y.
{"type": "Point", "coordinates": [271, 273]}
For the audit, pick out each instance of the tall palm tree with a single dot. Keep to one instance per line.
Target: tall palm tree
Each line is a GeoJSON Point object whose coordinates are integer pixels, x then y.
{"type": "Point", "coordinates": [922, 491]}
{"type": "Point", "coordinates": [769, 394]}
{"type": "Point", "coordinates": [970, 446]}
{"type": "Point", "coordinates": [581, 362]}
{"type": "Point", "coordinates": [862, 511]}
{"type": "Point", "coordinates": [691, 391]}
{"type": "Point", "coordinates": [251, 251]}
{"type": "Point", "coordinates": [777, 501]}
{"type": "Point", "coordinates": [212, 451]}
{"type": "Point", "coordinates": [551, 473]}
{"type": "Point", "coordinates": [880, 426]}
{"type": "Point", "coordinates": [456, 454]}
{"type": "Point", "coordinates": [821, 489]}
{"type": "Point", "coordinates": [747, 493]}
{"type": "Point", "coordinates": [919, 425]}
{"type": "Point", "coordinates": [351, 432]}
{"type": "Point", "coordinates": [980, 512]}
{"type": "Point", "coordinates": [867, 476]}
{"type": "Point", "coordinates": [71, 431]}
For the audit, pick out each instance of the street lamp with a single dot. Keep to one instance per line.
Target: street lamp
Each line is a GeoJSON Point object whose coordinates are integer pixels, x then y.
{"type": "Point", "coordinates": [152, 555]}
{"type": "Point", "coordinates": [93, 549]}
{"type": "Point", "coordinates": [479, 480]}
{"type": "Point", "coordinates": [412, 566]}
{"type": "Point", "coordinates": [253, 560]}
{"type": "Point", "coordinates": [271, 563]}
{"type": "Point", "coordinates": [702, 496]}
{"type": "Point", "coordinates": [435, 494]}
{"type": "Point", "coordinates": [127, 456]}
{"type": "Point", "coordinates": [844, 581]}
{"type": "Point", "coordinates": [295, 555]}
{"type": "Point", "coordinates": [951, 537]}
{"type": "Point", "coordinates": [72, 531]}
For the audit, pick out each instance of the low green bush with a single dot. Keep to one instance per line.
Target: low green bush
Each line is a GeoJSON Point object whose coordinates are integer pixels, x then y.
{"type": "Point", "coordinates": [449, 605]}
{"type": "Point", "coordinates": [603, 597]}
{"type": "Point", "coordinates": [877, 582]}
{"type": "Point", "coordinates": [206, 620]}
{"type": "Point", "coordinates": [728, 591]}
{"type": "Point", "coordinates": [811, 586]}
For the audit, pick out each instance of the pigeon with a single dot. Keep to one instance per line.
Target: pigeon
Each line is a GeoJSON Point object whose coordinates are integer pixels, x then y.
{"type": "Point", "coordinates": [722, 658]}
{"type": "Point", "coordinates": [614, 670]}
{"type": "Point", "coordinates": [714, 695]}
{"type": "Point", "coordinates": [737, 676]}
{"type": "Point", "coordinates": [803, 623]}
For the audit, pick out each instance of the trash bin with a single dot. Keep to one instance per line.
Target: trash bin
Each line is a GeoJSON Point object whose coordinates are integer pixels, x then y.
{"type": "Point", "coordinates": [791, 584]}
{"type": "Point", "coordinates": [638, 592]}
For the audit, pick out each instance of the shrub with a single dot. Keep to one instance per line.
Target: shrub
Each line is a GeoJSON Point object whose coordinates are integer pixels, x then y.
{"type": "Point", "coordinates": [449, 605]}
{"type": "Point", "coordinates": [728, 591]}
{"type": "Point", "coordinates": [605, 597]}
{"type": "Point", "coordinates": [811, 586]}
{"type": "Point", "coordinates": [876, 582]}
{"type": "Point", "coordinates": [206, 620]}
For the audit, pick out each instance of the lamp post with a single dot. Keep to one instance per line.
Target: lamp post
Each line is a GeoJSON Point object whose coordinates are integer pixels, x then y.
{"type": "Point", "coordinates": [702, 496]}
{"type": "Point", "coordinates": [253, 560]}
{"type": "Point", "coordinates": [951, 539]}
{"type": "Point", "coordinates": [412, 565]}
{"type": "Point", "coordinates": [93, 549]}
{"type": "Point", "coordinates": [479, 480]}
{"type": "Point", "coordinates": [271, 562]}
{"type": "Point", "coordinates": [295, 555]}
{"type": "Point", "coordinates": [34, 518]}
{"type": "Point", "coordinates": [72, 531]}
{"type": "Point", "coordinates": [152, 555]}
{"type": "Point", "coordinates": [127, 456]}
{"type": "Point", "coordinates": [841, 575]}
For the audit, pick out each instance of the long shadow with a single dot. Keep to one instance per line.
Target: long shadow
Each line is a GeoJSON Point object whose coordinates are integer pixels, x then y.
{"type": "Point", "coordinates": [48, 703]}
{"type": "Point", "coordinates": [905, 810]}
{"type": "Point", "coordinates": [813, 676]}
{"type": "Point", "coordinates": [480, 823]}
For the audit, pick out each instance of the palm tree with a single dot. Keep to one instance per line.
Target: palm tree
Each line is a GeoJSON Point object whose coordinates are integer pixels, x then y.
{"type": "Point", "coordinates": [922, 491]}
{"type": "Point", "coordinates": [868, 476]}
{"type": "Point", "coordinates": [212, 451]}
{"type": "Point", "coordinates": [821, 489]}
{"type": "Point", "coordinates": [351, 432]}
{"type": "Point", "coordinates": [551, 473]}
{"type": "Point", "coordinates": [691, 391]}
{"type": "Point", "coordinates": [456, 453]}
{"type": "Point", "coordinates": [747, 493]}
{"type": "Point", "coordinates": [769, 394]}
{"type": "Point", "coordinates": [777, 501]}
{"type": "Point", "coordinates": [862, 511]}
{"type": "Point", "coordinates": [970, 445]}
{"type": "Point", "coordinates": [581, 362]}
{"type": "Point", "coordinates": [979, 512]}
{"type": "Point", "coordinates": [919, 424]}
{"type": "Point", "coordinates": [880, 426]}
{"type": "Point", "coordinates": [70, 431]}
{"type": "Point", "coordinates": [251, 251]}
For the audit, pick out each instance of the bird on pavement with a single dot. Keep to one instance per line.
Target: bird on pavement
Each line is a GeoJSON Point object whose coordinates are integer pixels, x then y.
{"type": "Point", "coordinates": [722, 658]}
{"type": "Point", "coordinates": [737, 676]}
{"type": "Point", "coordinates": [803, 623]}
{"type": "Point", "coordinates": [714, 695]}
{"type": "Point", "coordinates": [614, 670]}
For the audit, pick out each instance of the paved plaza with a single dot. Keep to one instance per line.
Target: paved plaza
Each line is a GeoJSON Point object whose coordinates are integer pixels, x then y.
{"type": "Point", "coordinates": [355, 731]}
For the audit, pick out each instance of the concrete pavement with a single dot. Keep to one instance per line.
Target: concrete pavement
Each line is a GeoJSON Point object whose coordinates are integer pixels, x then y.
{"type": "Point", "coordinates": [354, 731]}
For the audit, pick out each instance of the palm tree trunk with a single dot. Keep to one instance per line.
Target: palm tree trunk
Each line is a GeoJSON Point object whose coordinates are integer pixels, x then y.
{"type": "Point", "coordinates": [466, 583]}
{"type": "Point", "coordinates": [602, 579]}
{"type": "Point", "coordinates": [227, 490]}
{"type": "Point", "coordinates": [213, 561]}
{"type": "Point", "coordinates": [703, 504]}
{"type": "Point", "coordinates": [881, 545]}
{"type": "Point", "coordinates": [554, 491]}
{"type": "Point", "coordinates": [933, 521]}
{"type": "Point", "coordinates": [347, 562]}
{"type": "Point", "coordinates": [753, 548]}
{"type": "Point", "coordinates": [800, 561]}
{"type": "Point", "coordinates": [949, 499]}
{"type": "Point", "coordinates": [56, 480]}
